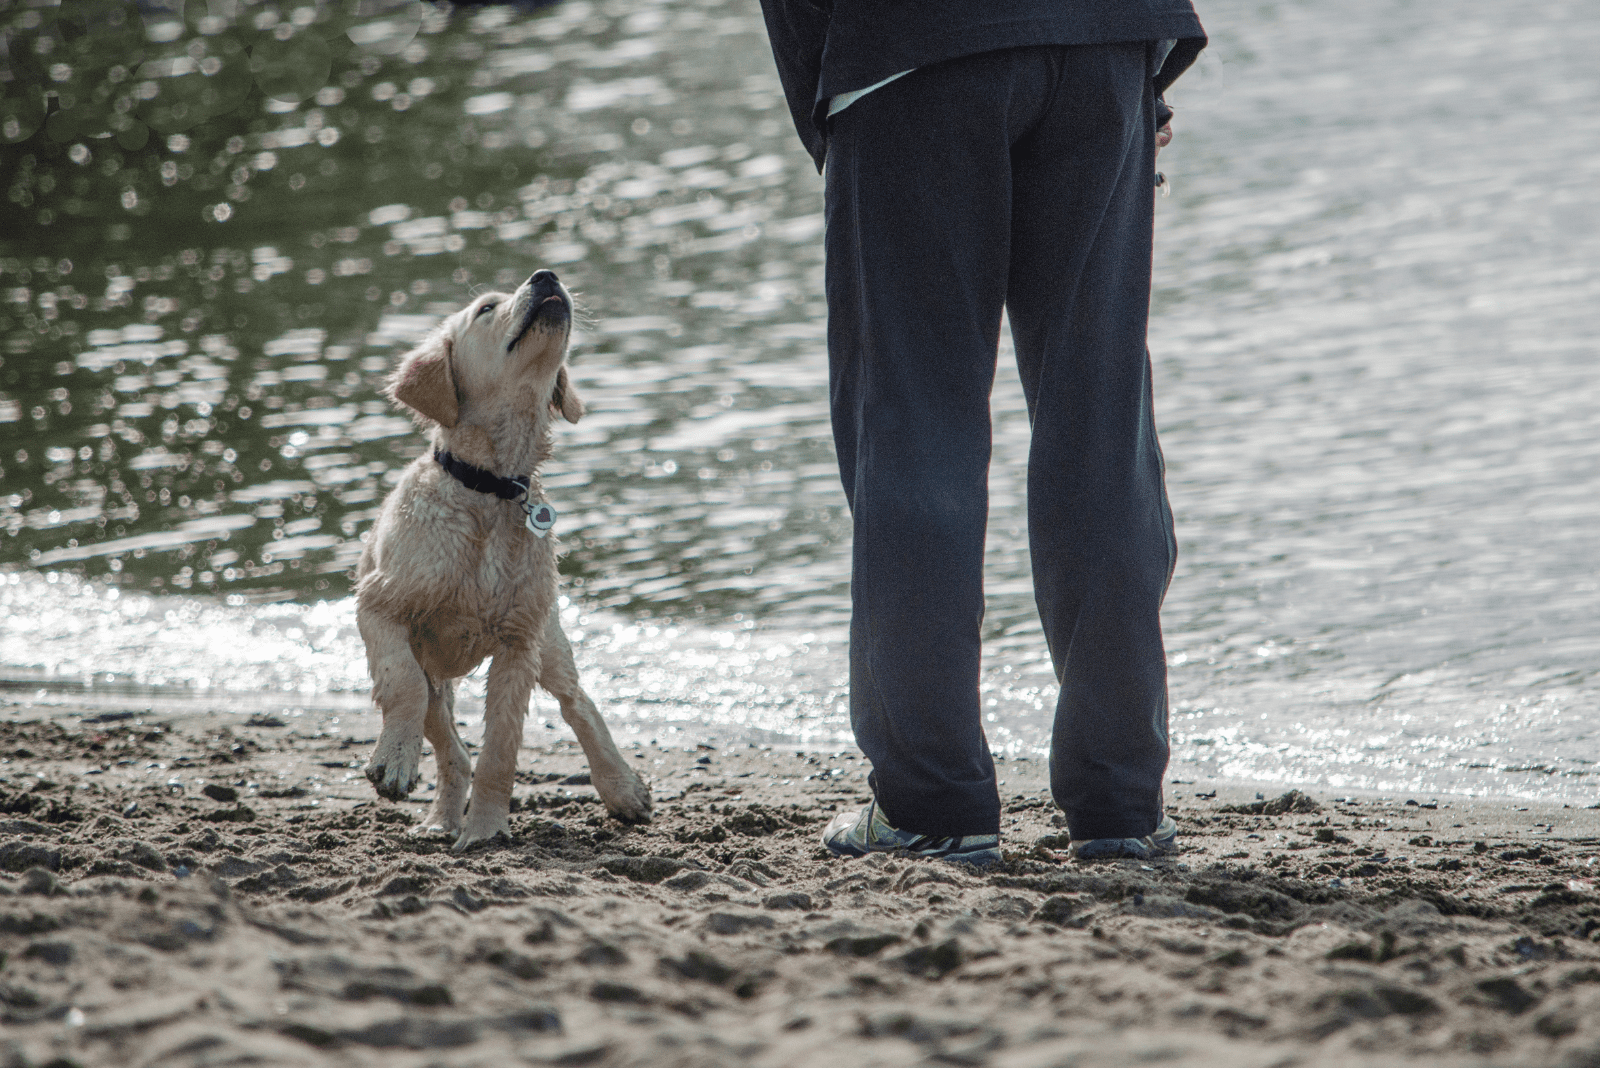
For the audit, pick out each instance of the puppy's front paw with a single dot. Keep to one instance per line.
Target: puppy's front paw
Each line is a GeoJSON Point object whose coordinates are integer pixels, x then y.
{"type": "Point", "coordinates": [436, 824]}
{"type": "Point", "coordinates": [394, 768]}
{"type": "Point", "coordinates": [391, 781]}
{"type": "Point", "coordinates": [468, 839]}
{"type": "Point", "coordinates": [482, 824]}
{"type": "Point", "coordinates": [626, 796]}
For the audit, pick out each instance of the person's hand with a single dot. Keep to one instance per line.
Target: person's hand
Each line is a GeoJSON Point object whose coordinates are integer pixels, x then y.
{"type": "Point", "coordinates": [1163, 137]}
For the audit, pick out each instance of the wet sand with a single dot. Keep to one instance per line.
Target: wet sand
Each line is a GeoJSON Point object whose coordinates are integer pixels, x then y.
{"type": "Point", "coordinates": [265, 908]}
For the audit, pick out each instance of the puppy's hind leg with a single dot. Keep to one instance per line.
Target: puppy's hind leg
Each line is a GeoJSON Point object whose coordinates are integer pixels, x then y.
{"type": "Point", "coordinates": [511, 676]}
{"type": "Point", "coordinates": [450, 758]}
{"type": "Point", "coordinates": [400, 690]}
{"type": "Point", "coordinates": [621, 789]}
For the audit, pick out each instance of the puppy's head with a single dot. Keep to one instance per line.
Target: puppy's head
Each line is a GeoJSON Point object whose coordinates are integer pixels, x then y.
{"type": "Point", "coordinates": [502, 355]}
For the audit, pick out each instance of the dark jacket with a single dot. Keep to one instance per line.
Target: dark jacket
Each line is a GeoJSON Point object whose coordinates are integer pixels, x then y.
{"type": "Point", "coordinates": [827, 47]}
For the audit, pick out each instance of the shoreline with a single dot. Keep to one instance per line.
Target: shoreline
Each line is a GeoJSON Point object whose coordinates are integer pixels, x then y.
{"type": "Point", "coordinates": [351, 714]}
{"type": "Point", "coordinates": [778, 683]}
{"type": "Point", "coordinates": [295, 922]}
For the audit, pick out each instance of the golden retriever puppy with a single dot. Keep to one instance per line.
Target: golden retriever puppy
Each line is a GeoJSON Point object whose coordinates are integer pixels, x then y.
{"type": "Point", "coordinates": [458, 567]}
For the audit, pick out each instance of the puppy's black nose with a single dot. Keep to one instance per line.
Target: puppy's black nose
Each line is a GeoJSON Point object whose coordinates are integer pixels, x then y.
{"type": "Point", "coordinates": [548, 277]}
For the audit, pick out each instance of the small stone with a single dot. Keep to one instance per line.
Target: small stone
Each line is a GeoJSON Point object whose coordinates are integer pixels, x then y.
{"type": "Point", "coordinates": [218, 792]}
{"type": "Point", "coordinates": [792, 900]}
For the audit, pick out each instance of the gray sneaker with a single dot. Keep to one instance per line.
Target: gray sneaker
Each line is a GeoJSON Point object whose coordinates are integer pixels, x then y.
{"type": "Point", "coordinates": [855, 834]}
{"type": "Point", "coordinates": [1164, 839]}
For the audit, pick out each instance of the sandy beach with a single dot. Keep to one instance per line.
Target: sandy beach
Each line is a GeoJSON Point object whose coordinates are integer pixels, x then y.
{"type": "Point", "coordinates": [1372, 362]}
{"type": "Point", "coordinates": [178, 892]}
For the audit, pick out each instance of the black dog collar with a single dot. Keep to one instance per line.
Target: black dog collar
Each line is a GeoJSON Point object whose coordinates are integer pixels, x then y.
{"type": "Point", "coordinates": [476, 478]}
{"type": "Point", "coordinates": [540, 517]}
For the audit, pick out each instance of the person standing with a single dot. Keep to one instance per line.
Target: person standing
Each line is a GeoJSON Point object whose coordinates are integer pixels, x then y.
{"type": "Point", "coordinates": [981, 158]}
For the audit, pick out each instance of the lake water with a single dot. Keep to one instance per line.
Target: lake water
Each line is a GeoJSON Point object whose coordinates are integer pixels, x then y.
{"type": "Point", "coordinates": [1375, 319]}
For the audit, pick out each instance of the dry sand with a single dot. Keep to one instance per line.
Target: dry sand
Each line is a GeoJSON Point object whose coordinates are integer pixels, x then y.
{"type": "Point", "coordinates": [284, 916]}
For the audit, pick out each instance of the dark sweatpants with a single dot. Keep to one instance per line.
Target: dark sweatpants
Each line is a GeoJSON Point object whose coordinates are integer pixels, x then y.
{"type": "Point", "coordinates": [1019, 179]}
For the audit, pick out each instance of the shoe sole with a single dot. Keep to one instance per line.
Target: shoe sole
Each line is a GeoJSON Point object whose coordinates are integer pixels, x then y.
{"type": "Point", "coordinates": [986, 857]}
{"type": "Point", "coordinates": [978, 858]}
{"type": "Point", "coordinates": [982, 859]}
{"type": "Point", "coordinates": [1113, 849]}
{"type": "Point", "coordinates": [1163, 840]}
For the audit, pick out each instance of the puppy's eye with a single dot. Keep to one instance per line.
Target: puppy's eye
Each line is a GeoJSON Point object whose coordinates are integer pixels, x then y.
{"type": "Point", "coordinates": [487, 307]}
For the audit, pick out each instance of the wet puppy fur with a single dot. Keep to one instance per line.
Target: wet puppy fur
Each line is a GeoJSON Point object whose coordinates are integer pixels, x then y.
{"type": "Point", "coordinates": [451, 576]}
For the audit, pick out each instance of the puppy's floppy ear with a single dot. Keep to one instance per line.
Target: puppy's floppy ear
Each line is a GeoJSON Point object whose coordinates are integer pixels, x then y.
{"type": "Point", "coordinates": [424, 382]}
{"type": "Point", "coordinates": [565, 399]}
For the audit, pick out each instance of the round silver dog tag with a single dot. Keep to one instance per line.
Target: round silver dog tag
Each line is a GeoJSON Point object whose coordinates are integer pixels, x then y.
{"type": "Point", "coordinates": [541, 517]}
